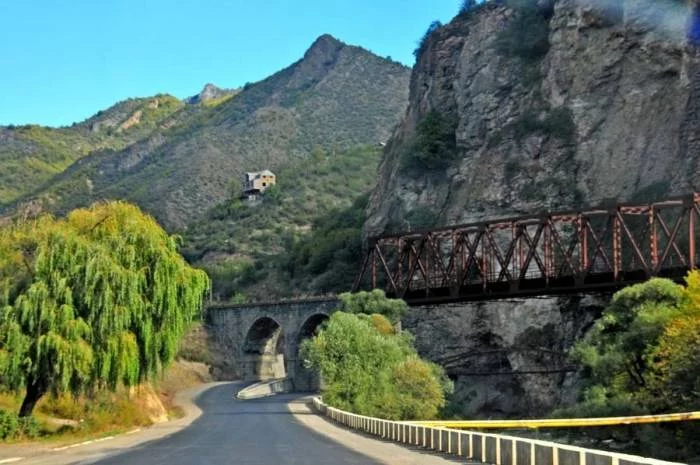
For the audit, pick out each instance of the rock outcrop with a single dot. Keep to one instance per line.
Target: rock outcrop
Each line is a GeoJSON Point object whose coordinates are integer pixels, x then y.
{"type": "Point", "coordinates": [507, 358]}
{"type": "Point", "coordinates": [605, 108]}
{"type": "Point", "coordinates": [608, 112]}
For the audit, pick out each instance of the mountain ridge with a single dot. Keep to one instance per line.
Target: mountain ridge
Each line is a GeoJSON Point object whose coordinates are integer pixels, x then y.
{"type": "Point", "coordinates": [335, 96]}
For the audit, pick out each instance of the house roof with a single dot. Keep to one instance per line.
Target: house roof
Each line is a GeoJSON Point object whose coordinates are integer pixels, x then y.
{"type": "Point", "coordinates": [255, 174]}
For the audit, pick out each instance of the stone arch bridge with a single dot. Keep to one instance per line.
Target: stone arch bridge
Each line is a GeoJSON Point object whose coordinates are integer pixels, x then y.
{"type": "Point", "coordinates": [263, 339]}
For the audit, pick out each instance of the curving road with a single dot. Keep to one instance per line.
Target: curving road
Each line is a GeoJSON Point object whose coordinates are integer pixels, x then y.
{"type": "Point", "coordinates": [252, 432]}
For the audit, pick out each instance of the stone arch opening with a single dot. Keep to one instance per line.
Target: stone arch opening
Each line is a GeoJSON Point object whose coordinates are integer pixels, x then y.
{"type": "Point", "coordinates": [263, 351]}
{"type": "Point", "coordinates": [306, 379]}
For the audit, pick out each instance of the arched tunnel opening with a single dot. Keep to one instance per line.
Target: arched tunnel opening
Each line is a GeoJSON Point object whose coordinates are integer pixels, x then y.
{"type": "Point", "coordinates": [263, 351]}
{"type": "Point", "coordinates": [306, 379]}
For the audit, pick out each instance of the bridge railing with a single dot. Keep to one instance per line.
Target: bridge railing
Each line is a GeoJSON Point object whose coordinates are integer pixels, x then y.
{"type": "Point", "coordinates": [486, 448]}
{"type": "Point", "coordinates": [538, 254]}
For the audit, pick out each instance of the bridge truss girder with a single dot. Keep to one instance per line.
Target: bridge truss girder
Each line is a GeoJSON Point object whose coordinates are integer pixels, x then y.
{"type": "Point", "coordinates": [552, 253]}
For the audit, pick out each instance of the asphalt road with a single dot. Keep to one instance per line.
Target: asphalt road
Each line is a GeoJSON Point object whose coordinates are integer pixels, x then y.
{"type": "Point", "coordinates": [252, 432]}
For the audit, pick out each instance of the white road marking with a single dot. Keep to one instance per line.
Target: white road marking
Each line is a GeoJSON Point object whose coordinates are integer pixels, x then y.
{"type": "Point", "coordinates": [84, 443]}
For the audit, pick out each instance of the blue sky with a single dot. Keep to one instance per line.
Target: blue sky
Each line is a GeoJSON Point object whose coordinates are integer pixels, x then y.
{"type": "Point", "coordinates": [63, 60]}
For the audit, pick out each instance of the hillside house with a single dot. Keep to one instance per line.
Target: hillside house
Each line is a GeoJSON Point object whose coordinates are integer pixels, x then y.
{"type": "Point", "coordinates": [255, 183]}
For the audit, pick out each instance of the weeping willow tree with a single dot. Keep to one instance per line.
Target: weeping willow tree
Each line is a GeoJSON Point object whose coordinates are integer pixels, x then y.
{"type": "Point", "coordinates": [96, 300]}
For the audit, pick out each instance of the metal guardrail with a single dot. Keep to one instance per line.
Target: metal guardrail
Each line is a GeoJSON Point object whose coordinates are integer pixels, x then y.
{"type": "Point", "coordinates": [483, 447]}
{"type": "Point", "coordinates": [561, 422]}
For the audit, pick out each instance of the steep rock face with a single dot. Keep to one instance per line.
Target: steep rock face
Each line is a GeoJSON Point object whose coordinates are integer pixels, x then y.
{"type": "Point", "coordinates": [507, 358]}
{"type": "Point", "coordinates": [609, 112]}
{"type": "Point", "coordinates": [622, 99]}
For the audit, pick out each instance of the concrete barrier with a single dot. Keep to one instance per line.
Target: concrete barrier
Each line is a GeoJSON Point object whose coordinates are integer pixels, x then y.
{"type": "Point", "coordinates": [266, 389]}
{"type": "Point", "coordinates": [488, 448]}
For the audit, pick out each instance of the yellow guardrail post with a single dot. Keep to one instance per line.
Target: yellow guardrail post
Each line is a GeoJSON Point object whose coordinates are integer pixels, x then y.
{"type": "Point", "coordinates": [499, 449]}
{"type": "Point", "coordinates": [560, 422]}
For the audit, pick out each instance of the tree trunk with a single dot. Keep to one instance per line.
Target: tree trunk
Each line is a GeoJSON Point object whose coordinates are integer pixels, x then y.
{"type": "Point", "coordinates": [35, 390]}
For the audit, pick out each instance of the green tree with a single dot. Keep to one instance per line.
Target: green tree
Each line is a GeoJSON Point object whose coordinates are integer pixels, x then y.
{"type": "Point", "coordinates": [643, 356]}
{"type": "Point", "coordinates": [95, 300]}
{"type": "Point", "coordinates": [372, 302]}
{"type": "Point", "coordinates": [620, 349]}
{"type": "Point", "coordinates": [371, 371]}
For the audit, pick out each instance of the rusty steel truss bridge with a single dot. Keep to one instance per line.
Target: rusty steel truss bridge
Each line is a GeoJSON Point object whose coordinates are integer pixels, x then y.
{"type": "Point", "coordinates": [600, 249]}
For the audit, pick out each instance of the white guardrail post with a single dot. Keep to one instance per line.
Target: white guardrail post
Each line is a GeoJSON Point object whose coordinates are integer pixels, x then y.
{"type": "Point", "coordinates": [494, 449]}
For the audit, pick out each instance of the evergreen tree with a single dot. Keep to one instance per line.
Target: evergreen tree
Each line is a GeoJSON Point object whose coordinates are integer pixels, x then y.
{"type": "Point", "coordinates": [95, 300]}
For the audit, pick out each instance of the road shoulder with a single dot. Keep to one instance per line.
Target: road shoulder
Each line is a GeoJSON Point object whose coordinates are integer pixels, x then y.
{"type": "Point", "coordinates": [84, 452]}
{"type": "Point", "coordinates": [387, 452]}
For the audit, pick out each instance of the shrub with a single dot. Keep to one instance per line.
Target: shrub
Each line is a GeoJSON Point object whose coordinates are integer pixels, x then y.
{"type": "Point", "coordinates": [28, 428]}
{"type": "Point", "coordinates": [467, 5]}
{"type": "Point", "coordinates": [371, 373]}
{"type": "Point", "coordinates": [373, 302]}
{"type": "Point", "coordinates": [421, 217]}
{"type": "Point", "coordinates": [558, 123]}
{"type": "Point", "coordinates": [13, 427]}
{"type": "Point", "coordinates": [423, 42]}
{"type": "Point", "coordinates": [9, 425]}
{"type": "Point", "coordinates": [527, 34]}
{"type": "Point", "coordinates": [435, 143]}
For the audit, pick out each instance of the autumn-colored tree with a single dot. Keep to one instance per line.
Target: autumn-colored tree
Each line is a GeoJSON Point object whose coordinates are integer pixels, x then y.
{"type": "Point", "coordinates": [677, 357]}
{"type": "Point", "coordinates": [643, 356]}
{"type": "Point", "coordinates": [644, 352]}
{"type": "Point", "coordinates": [95, 300]}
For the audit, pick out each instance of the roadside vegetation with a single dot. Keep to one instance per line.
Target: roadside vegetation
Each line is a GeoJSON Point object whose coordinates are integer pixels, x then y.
{"type": "Point", "coordinates": [92, 306]}
{"type": "Point", "coordinates": [370, 367]}
{"type": "Point", "coordinates": [643, 357]}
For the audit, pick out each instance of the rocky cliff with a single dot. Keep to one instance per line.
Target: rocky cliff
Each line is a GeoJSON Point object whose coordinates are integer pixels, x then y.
{"type": "Point", "coordinates": [518, 110]}
{"type": "Point", "coordinates": [605, 109]}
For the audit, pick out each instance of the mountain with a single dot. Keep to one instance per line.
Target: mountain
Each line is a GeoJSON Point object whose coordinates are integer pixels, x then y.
{"type": "Point", "coordinates": [337, 96]}
{"type": "Point", "coordinates": [210, 94]}
{"type": "Point", "coordinates": [519, 109]}
{"type": "Point", "coordinates": [30, 155]}
{"type": "Point", "coordinates": [303, 237]}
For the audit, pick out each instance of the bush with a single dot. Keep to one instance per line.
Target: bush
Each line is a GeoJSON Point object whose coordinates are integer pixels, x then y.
{"type": "Point", "coordinates": [467, 5]}
{"type": "Point", "coordinates": [558, 123]}
{"type": "Point", "coordinates": [374, 374]}
{"type": "Point", "coordinates": [435, 143]}
{"type": "Point", "coordinates": [9, 425]}
{"type": "Point", "coordinates": [423, 42]}
{"type": "Point", "coordinates": [13, 427]}
{"type": "Point", "coordinates": [29, 428]}
{"type": "Point", "coordinates": [527, 34]}
{"type": "Point", "coordinates": [373, 302]}
{"type": "Point", "coordinates": [421, 217]}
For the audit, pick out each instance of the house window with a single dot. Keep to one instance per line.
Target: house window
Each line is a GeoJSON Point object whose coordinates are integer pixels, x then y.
{"type": "Point", "coordinates": [264, 184]}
